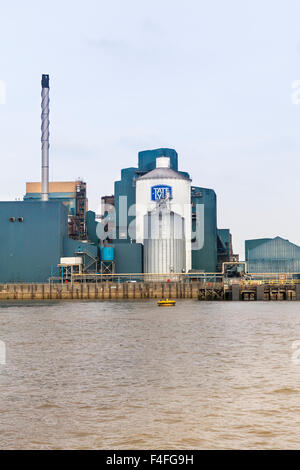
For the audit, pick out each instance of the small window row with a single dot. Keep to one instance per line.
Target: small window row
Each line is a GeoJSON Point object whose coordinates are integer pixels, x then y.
{"type": "Point", "coordinates": [19, 219]}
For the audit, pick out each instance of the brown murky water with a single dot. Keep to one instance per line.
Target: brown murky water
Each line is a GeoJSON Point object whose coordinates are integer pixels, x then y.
{"type": "Point", "coordinates": [130, 375]}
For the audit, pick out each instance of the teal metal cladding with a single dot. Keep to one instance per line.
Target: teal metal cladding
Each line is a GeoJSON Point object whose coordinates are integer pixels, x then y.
{"type": "Point", "coordinates": [205, 259]}
{"type": "Point", "coordinates": [224, 235]}
{"type": "Point", "coordinates": [126, 186]}
{"type": "Point", "coordinates": [91, 227]}
{"type": "Point", "coordinates": [68, 199]}
{"type": "Point", "coordinates": [75, 247]}
{"type": "Point", "coordinates": [31, 239]}
{"type": "Point", "coordinates": [272, 256]}
{"type": "Point", "coordinates": [147, 158]}
{"type": "Point", "coordinates": [129, 257]}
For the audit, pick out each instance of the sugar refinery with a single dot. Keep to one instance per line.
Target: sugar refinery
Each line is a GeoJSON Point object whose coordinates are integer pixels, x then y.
{"type": "Point", "coordinates": [156, 222]}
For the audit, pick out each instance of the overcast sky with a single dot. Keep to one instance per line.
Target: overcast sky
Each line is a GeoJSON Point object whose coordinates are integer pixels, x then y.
{"type": "Point", "coordinates": [212, 79]}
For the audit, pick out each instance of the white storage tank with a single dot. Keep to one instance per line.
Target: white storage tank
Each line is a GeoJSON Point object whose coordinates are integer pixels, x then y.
{"type": "Point", "coordinates": [165, 184]}
{"type": "Point", "coordinates": [164, 242]}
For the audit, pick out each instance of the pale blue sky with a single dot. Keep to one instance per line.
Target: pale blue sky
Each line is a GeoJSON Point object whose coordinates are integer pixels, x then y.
{"type": "Point", "coordinates": [211, 79]}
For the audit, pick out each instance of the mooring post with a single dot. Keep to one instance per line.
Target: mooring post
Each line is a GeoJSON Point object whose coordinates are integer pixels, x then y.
{"type": "Point", "coordinates": [235, 292]}
{"type": "Point", "coordinates": [260, 292]}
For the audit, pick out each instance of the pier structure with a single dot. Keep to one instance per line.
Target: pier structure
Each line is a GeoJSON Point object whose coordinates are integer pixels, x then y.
{"type": "Point", "coordinates": [183, 286]}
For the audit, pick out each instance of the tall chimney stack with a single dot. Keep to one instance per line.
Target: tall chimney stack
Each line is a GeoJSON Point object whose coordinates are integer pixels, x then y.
{"type": "Point", "coordinates": [45, 137]}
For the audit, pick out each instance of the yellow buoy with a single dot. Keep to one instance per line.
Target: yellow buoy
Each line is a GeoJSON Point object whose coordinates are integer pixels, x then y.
{"type": "Point", "coordinates": [166, 303]}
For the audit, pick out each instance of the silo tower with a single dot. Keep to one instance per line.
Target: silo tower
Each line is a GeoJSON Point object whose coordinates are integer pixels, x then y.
{"type": "Point", "coordinates": [163, 220]}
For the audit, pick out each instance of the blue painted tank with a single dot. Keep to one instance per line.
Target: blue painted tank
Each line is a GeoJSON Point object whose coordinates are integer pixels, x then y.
{"type": "Point", "coordinates": [107, 253]}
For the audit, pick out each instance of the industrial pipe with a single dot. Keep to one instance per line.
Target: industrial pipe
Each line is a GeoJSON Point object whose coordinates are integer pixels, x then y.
{"type": "Point", "coordinates": [45, 137]}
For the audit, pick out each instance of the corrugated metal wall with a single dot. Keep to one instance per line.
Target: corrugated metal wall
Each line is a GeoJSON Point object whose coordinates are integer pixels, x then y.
{"type": "Point", "coordinates": [205, 258]}
{"type": "Point", "coordinates": [73, 247]}
{"type": "Point", "coordinates": [68, 199]}
{"type": "Point", "coordinates": [147, 158]}
{"type": "Point", "coordinates": [29, 249]}
{"type": "Point", "coordinates": [164, 242]}
{"type": "Point", "coordinates": [126, 186]}
{"type": "Point", "coordinates": [272, 256]}
{"type": "Point", "coordinates": [129, 257]}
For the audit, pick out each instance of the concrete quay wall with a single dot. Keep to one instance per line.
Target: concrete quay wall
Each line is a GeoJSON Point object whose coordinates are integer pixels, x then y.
{"type": "Point", "coordinates": [148, 290]}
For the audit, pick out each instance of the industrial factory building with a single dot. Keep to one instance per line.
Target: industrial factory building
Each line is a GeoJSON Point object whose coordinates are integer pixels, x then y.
{"type": "Point", "coordinates": [155, 222]}
{"type": "Point", "coordinates": [163, 224]}
{"type": "Point", "coordinates": [163, 219]}
{"type": "Point", "coordinates": [31, 237]}
{"type": "Point", "coordinates": [225, 251]}
{"type": "Point", "coordinates": [34, 239]}
{"type": "Point", "coordinates": [42, 234]}
{"type": "Point", "coordinates": [272, 255]}
{"type": "Point", "coordinates": [73, 195]}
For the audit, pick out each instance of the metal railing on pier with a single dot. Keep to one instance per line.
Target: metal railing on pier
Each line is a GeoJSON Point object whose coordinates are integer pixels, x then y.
{"type": "Point", "coordinates": [209, 279]}
{"type": "Point", "coordinates": [212, 278]}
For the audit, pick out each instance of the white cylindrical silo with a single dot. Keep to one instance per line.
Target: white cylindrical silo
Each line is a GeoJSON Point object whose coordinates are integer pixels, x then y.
{"type": "Point", "coordinates": [164, 242]}
{"type": "Point", "coordinates": [173, 187]}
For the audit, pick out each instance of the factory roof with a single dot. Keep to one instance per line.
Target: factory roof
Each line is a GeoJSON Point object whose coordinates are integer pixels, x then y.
{"type": "Point", "coordinates": [163, 173]}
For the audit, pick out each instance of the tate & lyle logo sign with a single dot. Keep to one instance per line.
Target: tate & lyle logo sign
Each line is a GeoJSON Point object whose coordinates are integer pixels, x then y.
{"type": "Point", "coordinates": [161, 191]}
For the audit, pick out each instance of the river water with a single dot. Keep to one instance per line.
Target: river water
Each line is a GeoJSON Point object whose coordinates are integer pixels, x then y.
{"type": "Point", "coordinates": [130, 375]}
